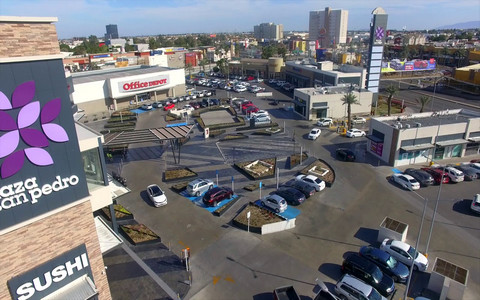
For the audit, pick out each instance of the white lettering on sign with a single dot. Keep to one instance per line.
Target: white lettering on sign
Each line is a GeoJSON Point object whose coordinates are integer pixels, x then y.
{"type": "Point", "coordinates": [57, 274]}
{"type": "Point", "coordinates": [22, 192]}
{"type": "Point", "coordinates": [138, 85]}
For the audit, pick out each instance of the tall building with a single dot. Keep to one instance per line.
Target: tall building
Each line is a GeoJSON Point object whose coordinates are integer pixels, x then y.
{"type": "Point", "coordinates": [112, 32]}
{"type": "Point", "coordinates": [328, 27]}
{"type": "Point", "coordinates": [268, 31]}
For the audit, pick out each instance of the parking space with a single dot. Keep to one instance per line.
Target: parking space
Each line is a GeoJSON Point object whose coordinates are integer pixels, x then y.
{"type": "Point", "coordinates": [330, 225]}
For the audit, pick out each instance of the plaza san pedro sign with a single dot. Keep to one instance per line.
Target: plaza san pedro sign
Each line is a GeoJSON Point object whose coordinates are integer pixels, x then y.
{"type": "Point", "coordinates": [40, 162]}
{"type": "Point", "coordinates": [51, 275]}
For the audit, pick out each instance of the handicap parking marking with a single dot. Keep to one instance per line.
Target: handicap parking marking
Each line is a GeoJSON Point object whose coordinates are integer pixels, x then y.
{"type": "Point", "coordinates": [397, 171]}
{"type": "Point", "coordinates": [198, 201]}
{"type": "Point", "coordinates": [289, 213]}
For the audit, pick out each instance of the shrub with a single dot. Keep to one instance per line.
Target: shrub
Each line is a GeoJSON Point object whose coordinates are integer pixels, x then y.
{"type": "Point", "coordinates": [115, 125]}
{"type": "Point", "coordinates": [217, 132]}
{"type": "Point", "coordinates": [179, 173]}
{"type": "Point", "coordinates": [122, 119]}
{"type": "Point", "coordinates": [125, 113]}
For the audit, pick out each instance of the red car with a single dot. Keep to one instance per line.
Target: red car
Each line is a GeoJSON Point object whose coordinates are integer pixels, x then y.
{"type": "Point", "coordinates": [246, 106]}
{"type": "Point", "coordinates": [195, 104]}
{"type": "Point", "coordinates": [169, 106]}
{"type": "Point", "coordinates": [217, 194]}
{"type": "Point", "coordinates": [251, 109]}
{"type": "Point", "coordinates": [437, 175]}
{"type": "Point", "coordinates": [246, 103]}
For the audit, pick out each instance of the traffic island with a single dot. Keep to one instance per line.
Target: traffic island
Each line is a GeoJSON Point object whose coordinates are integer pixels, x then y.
{"type": "Point", "coordinates": [139, 234]}
{"type": "Point", "coordinates": [177, 174]}
{"type": "Point", "coordinates": [322, 170]}
{"type": "Point", "coordinates": [258, 169]}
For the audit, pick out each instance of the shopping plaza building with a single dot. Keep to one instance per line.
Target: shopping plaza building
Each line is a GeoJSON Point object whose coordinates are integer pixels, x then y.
{"type": "Point", "coordinates": [52, 176]}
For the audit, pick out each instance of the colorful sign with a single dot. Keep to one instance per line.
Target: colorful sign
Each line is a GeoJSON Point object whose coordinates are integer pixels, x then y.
{"type": "Point", "coordinates": [415, 65]}
{"type": "Point", "coordinates": [142, 84]}
{"type": "Point", "coordinates": [52, 275]}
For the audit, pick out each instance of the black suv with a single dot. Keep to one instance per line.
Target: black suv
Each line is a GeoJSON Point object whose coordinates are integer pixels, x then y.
{"type": "Point", "coordinates": [368, 272]}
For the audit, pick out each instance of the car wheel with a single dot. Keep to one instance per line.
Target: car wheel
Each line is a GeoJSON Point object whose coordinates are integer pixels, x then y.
{"type": "Point", "coordinates": [262, 203]}
{"type": "Point", "coordinates": [415, 268]}
{"type": "Point", "coordinates": [363, 134]}
{"type": "Point", "coordinates": [210, 187]}
{"type": "Point", "coordinates": [395, 278]}
{"type": "Point", "coordinates": [197, 194]}
{"type": "Point", "coordinates": [343, 297]}
{"type": "Point", "coordinates": [215, 203]}
{"type": "Point", "coordinates": [277, 210]}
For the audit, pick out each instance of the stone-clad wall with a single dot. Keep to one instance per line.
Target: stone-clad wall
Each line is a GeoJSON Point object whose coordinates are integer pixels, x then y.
{"type": "Point", "coordinates": [28, 39]}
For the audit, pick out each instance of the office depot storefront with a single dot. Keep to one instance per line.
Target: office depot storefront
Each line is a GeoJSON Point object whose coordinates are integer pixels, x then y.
{"type": "Point", "coordinates": [108, 90]}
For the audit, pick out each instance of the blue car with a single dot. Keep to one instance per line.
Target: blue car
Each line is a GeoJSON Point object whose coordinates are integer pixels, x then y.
{"type": "Point", "coordinates": [389, 265]}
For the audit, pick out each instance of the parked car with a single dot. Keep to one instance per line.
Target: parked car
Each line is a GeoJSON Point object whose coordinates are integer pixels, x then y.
{"type": "Point", "coordinates": [387, 263]}
{"type": "Point", "coordinates": [156, 195]}
{"type": "Point", "coordinates": [421, 176]}
{"type": "Point", "coordinates": [169, 106]}
{"type": "Point", "coordinates": [251, 110]}
{"type": "Point", "coordinates": [285, 293]}
{"type": "Point", "coordinates": [454, 174]}
{"type": "Point", "coordinates": [469, 173]}
{"type": "Point", "coordinates": [216, 195]}
{"type": "Point", "coordinates": [274, 202]}
{"type": "Point", "coordinates": [359, 120]}
{"type": "Point", "coordinates": [437, 174]}
{"type": "Point", "coordinates": [405, 253]}
{"type": "Point", "coordinates": [157, 104]}
{"type": "Point", "coordinates": [345, 154]}
{"type": "Point", "coordinates": [291, 195]}
{"type": "Point", "coordinates": [195, 104]}
{"type": "Point", "coordinates": [302, 186]}
{"type": "Point", "coordinates": [199, 186]}
{"type": "Point", "coordinates": [351, 288]}
{"type": "Point", "coordinates": [369, 273]}
{"type": "Point", "coordinates": [146, 106]}
{"type": "Point", "coordinates": [314, 181]}
{"type": "Point", "coordinates": [325, 122]}
{"type": "Point", "coordinates": [188, 107]}
{"type": "Point", "coordinates": [354, 132]}
{"type": "Point", "coordinates": [405, 181]}
{"type": "Point", "coordinates": [314, 134]}
{"type": "Point", "coordinates": [323, 292]}
{"type": "Point", "coordinates": [476, 166]}
{"type": "Point", "coordinates": [475, 206]}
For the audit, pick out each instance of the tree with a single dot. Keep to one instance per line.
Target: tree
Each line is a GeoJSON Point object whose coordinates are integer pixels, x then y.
{"type": "Point", "coordinates": [152, 43]}
{"type": "Point", "coordinates": [129, 47]}
{"type": "Point", "coordinates": [268, 52]}
{"type": "Point", "coordinates": [349, 99]}
{"type": "Point", "coordinates": [222, 64]}
{"type": "Point", "coordinates": [391, 90]}
{"type": "Point", "coordinates": [79, 50]}
{"type": "Point", "coordinates": [282, 51]}
{"type": "Point", "coordinates": [202, 64]}
{"type": "Point", "coordinates": [65, 48]}
{"type": "Point", "coordinates": [423, 100]}
{"type": "Point", "coordinates": [189, 68]}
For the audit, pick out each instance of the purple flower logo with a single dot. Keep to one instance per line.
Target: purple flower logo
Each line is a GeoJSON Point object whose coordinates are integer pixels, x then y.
{"type": "Point", "coordinates": [379, 33]}
{"type": "Point", "coordinates": [28, 114]}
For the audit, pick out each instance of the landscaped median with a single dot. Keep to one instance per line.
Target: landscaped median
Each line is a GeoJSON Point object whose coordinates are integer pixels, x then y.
{"type": "Point", "coordinates": [262, 220]}
{"type": "Point", "coordinates": [258, 169]}
{"type": "Point", "coordinates": [322, 170]}
{"type": "Point", "coordinates": [139, 234]}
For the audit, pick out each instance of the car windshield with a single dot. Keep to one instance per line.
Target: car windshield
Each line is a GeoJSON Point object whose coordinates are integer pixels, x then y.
{"type": "Point", "coordinates": [412, 252]}
{"type": "Point", "coordinates": [391, 262]}
{"type": "Point", "coordinates": [156, 191]}
{"type": "Point", "coordinates": [412, 180]}
{"type": "Point", "coordinates": [318, 180]}
{"type": "Point", "coordinates": [374, 295]}
{"type": "Point", "coordinates": [377, 275]}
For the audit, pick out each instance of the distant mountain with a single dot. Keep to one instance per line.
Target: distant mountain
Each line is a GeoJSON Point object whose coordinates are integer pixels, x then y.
{"type": "Point", "coordinates": [465, 25]}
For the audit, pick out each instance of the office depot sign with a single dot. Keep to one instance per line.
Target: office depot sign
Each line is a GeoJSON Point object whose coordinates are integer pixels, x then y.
{"type": "Point", "coordinates": [143, 84]}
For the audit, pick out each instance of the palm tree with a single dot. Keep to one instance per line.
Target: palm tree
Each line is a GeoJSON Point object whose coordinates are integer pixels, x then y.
{"type": "Point", "coordinates": [391, 90]}
{"type": "Point", "coordinates": [188, 67]}
{"type": "Point", "coordinates": [349, 99]}
{"type": "Point", "coordinates": [423, 100]}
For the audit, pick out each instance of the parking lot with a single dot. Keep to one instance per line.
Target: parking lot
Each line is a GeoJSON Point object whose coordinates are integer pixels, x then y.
{"type": "Point", "coordinates": [228, 262]}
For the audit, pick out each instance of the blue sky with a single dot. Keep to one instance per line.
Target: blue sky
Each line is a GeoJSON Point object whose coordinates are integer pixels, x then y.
{"type": "Point", "coordinates": [152, 17]}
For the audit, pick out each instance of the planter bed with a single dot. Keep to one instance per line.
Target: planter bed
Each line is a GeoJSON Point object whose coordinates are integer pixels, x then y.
{"type": "Point", "coordinates": [139, 234]}
{"type": "Point", "coordinates": [319, 168]}
{"type": "Point", "coordinates": [252, 187]}
{"type": "Point", "coordinates": [119, 124]}
{"type": "Point", "coordinates": [238, 122]}
{"type": "Point", "coordinates": [217, 132]}
{"type": "Point", "coordinates": [177, 174]}
{"type": "Point", "coordinates": [234, 136]}
{"type": "Point", "coordinates": [179, 187]}
{"type": "Point", "coordinates": [121, 213]}
{"type": "Point", "coordinates": [118, 129]}
{"type": "Point", "coordinates": [257, 127]}
{"type": "Point", "coordinates": [294, 159]}
{"type": "Point", "coordinates": [258, 169]}
{"type": "Point", "coordinates": [124, 113]}
{"type": "Point", "coordinates": [221, 210]}
{"type": "Point", "coordinates": [259, 216]}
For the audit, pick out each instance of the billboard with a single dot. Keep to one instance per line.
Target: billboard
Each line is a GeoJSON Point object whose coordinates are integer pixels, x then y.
{"type": "Point", "coordinates": [41, 168]}
{"type": "Point", "coordinates": [413, 65]}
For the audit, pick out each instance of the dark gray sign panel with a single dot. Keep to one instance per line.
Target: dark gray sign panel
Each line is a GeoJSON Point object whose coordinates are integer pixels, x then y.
{"type": "Point", "coordinates": [41, 168]}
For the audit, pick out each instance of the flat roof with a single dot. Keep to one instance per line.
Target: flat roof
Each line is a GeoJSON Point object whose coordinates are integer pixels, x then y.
{"type": "Point", "coordinates": [21, 19]}
{"type": "Point", "coordinates": [99, 75]}
{"type": "Point", "coordinates": [431, 118]}
{"type": "Point", "coordinates": [329, 90]}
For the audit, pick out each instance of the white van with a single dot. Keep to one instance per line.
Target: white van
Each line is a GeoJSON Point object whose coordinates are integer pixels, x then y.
{"type": "Point", "coordinates": [454, 174]}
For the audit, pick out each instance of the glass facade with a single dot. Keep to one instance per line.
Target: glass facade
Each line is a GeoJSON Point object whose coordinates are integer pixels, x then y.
{"type": "Point", "coordinates": [93, 168]}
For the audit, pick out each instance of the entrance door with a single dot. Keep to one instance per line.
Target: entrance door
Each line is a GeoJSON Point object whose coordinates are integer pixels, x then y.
{"type": "Point", "coordinates": [321, 113]}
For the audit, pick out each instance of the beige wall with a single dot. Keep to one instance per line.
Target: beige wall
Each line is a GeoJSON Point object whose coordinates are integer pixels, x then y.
{"type": "Point", "coordinates": [29, 246]}
{"type": "Point", "coordinates": [28, 39]}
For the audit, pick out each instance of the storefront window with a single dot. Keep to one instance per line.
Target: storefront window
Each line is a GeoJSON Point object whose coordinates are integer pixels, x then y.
{"type": "Point", "coordinates": [93, 168]}
{"type": "Point", "coordinates": [439, 152]}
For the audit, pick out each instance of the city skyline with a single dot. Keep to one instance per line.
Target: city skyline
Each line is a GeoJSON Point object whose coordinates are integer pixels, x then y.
{"type": "Point", "coordinates": [83, 18]}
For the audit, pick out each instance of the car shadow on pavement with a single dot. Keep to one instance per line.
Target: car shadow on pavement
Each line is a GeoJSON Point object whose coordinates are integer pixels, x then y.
{"type": "Point", "coordinates": [463, 207]}
{"type": "Point", "coordinates": [333, 271]}
{"type": "Point", "coordinates": [368, 235]}
{"type": "Point", "coordinates": [348, 253]}
{"type": "Point", "coordinates": [146, 199]}
{"type": "Point", "coordinates": [263, 296]}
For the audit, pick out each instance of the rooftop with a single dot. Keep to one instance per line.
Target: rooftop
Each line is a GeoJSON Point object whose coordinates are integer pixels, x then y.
{"type": "Point", "coordinates": [431, 118]}
{"type": "Point", "coordinates": [339, 89]}
{"type": "Point", "coordinates": [98, 75]}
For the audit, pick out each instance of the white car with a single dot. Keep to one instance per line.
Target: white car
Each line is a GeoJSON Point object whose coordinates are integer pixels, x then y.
{"type": "Point", "coordinates": [314, 134]}
{"type": "Point", "coordinates": [207, 93]}
{"type": "Point", "coordinates": [240, 88]}
{"type": "Point", "coordinates": [359, 120]}
{"type": "Point", "coordinates": [188, 107]}
{"type": "Point", "coordinates": [475, 206]}
{"type": "Point", "coordinates": [354, 132]}
{"type": "Point", "coordinates": [156, 195]}
{"type": "Point", "coordinates": [325, 122]}
{"type": "Point", "coordinates": [147, 106]}
{"type": "Point", "coordinates": [405, 253]}
{"type": "Point", "coordinates": [311, 180]}
{"type": "Point", "coordinates": [406, 181]}
{"type": "Point", "coordinates": [454, 174]}
{"type": "Point", "coordinates": [274, 202]}
{"type": "Point", "coordinates": [199, 186]}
